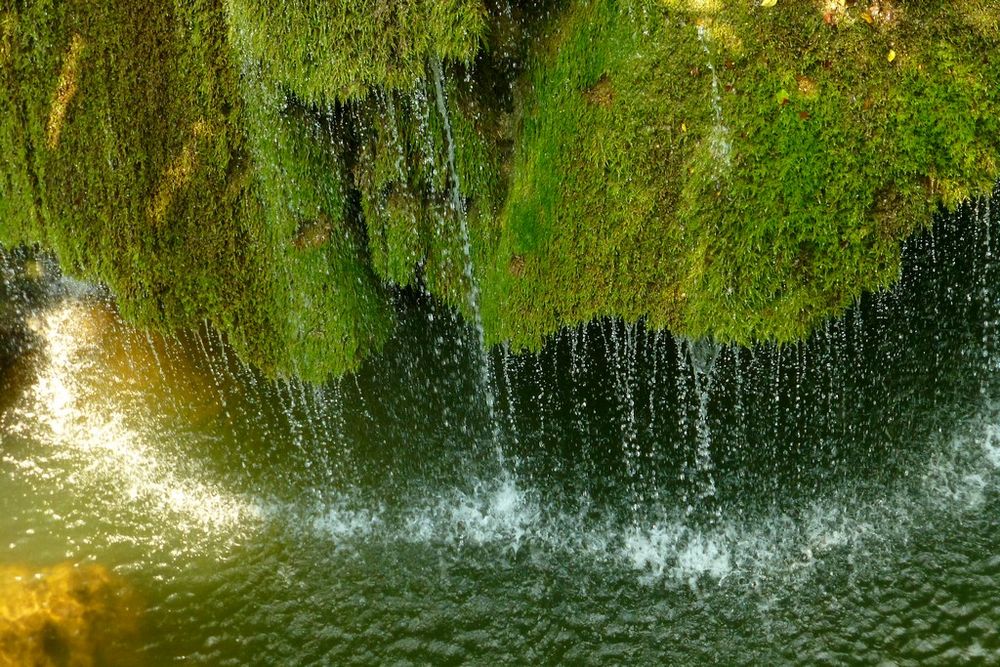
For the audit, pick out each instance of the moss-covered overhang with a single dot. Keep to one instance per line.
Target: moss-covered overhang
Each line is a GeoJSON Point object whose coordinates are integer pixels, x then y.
{"type": "Point", "coordinates": [721, 169]}
{"type": "Point", "coordinates": [738, 171]}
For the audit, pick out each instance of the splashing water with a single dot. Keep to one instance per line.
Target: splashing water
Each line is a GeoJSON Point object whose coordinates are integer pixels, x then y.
{"type": "Point", "coordinates": [82, 406]}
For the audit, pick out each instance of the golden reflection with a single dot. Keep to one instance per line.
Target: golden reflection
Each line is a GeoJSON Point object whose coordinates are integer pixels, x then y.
{"type": "Point", "coordinates": [65, 91]}
{"type": "Point", "coordinates": [66, 615]}
{"type": "Point", "coordinates": [179, 173]}
{"type": "Point", "coordinates": [103, 393]}
{"type": "Point", "coordinates": [131, 368]}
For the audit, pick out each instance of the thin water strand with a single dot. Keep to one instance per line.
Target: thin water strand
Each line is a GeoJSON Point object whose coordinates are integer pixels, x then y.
{"type": "Point", "coordinates": [458, 206]}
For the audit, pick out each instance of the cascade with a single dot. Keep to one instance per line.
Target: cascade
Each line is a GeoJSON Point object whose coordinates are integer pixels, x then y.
{"type": "Point", "coordinates": [662, 483]}
{"type": "Point", "coordinates": [719, 140]}
{"type": "Point", "coordinates": [457, 204]}
{"type": "Point", "coordinates": [702, 354]}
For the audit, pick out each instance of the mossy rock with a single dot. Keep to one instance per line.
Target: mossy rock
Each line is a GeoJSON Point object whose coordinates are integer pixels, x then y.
{"type": "Point", "coordinates": [66, 616]}
{"type": "Point", "coordinates": [279, 170]}
{"type": "Point", "coordinates": [130, 152]}
{"type": "Point", "coordinates": [339, 50]}
{"type": "Point", "coordinates": [735, 171]}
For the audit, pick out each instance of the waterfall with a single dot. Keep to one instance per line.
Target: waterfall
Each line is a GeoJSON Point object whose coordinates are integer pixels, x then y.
{"type": "Point", "coordinates": [663, 484]}
{"type": "Point", "coordinates": [458, 206]}
{"type": "Point", "coordinates": [719, 141]}
{"type": "Point", "coordinates": [702, 354]}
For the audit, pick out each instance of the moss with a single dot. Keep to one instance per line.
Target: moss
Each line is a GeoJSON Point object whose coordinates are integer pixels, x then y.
{"type": "Point", "coordinates": [129, 158]}
{"type": "Point", "coordinates": [405, 183]}
{"type": "Point", "coordinates": [99, 122]}
{"type": "Point", "coordinates": [630, 195]}
{"type": "Point", "coordinates": [124, 145]}
{"type": "Point", "coordinates": [326, 303]}
{"type": "Point", "coordinates": [278, 169]}
{"type": "Point", "coordinates": [328, 50]}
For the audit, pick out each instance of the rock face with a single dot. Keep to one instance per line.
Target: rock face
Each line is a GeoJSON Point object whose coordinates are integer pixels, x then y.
{"type": "Point", "coordinates": [738, 170]}
{"type": "Point", "coordinates": [65, 616]}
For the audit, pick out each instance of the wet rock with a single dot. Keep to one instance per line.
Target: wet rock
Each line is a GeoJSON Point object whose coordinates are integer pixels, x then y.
{"type": "Point", "coordinates": [66, 615]}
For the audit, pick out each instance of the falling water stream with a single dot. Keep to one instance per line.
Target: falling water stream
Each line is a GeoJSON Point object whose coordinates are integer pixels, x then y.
{"type": "Point", "coordinates": [674, 502]}
{"type": "Point", "coordinates": [720, 142]}
{"type": "Point", "coordinates": [457, 203]}
{"type": "Point", "coordinates": [702, 355]}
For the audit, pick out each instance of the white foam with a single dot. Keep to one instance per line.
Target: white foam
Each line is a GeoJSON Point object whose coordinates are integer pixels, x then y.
{"type": "Point", "coordinates": [991, 444]}
{"type": "Point", "coordinates": [669, 547]}
{"type": "Point", "coordinates": [703, 555]}
{"type": "Point", "coordinates": [644, 549]}
{"type": "Point", "coordinates": [341, 522]}
{"type": "Point", "coordinates": [677, 552]}
{"type": "Point", "coordinates": [493, 511]}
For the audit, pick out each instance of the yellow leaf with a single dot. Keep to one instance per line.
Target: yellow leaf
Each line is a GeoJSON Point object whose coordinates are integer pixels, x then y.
{"type": "Point", "coordinates": [768, 3]}
{"type": "Point", "coordinates": [892, 55]}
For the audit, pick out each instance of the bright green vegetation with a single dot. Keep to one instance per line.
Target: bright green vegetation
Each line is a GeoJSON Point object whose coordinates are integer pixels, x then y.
{"type": "Point", "coordinates": [119, 154]}
{"type": "Point", "coordinates": [281, 170]}
{"type": "Point", "coordinates": [324, 51]}
{"type": "Point", "coordinates": [328, 306]}
{"type": "Point", "coordinates": [629, 196]}
{"type": "Point", "coordinates": [129, 152]}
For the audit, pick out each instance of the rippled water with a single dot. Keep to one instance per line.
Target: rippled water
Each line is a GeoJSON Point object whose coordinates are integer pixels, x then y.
{"type": "Point", "coordinates": [831, 502]}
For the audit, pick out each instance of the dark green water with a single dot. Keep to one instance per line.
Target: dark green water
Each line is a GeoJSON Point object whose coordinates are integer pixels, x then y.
{"type": "Point", "coordinates": [827, 503]}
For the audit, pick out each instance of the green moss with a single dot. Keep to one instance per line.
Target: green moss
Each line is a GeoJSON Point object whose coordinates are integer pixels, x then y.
{"type": "Point", "coordinates": [330, 50]}
{"type": "Point", "coordinates": [629, 196]}
{"type": "Point", "coordinates": [122, 143]}
{"type": "Point", "coordinates": [405, 182]}
{"type": "Point", "coordinates": [327, 305]}
{"type": "Point", "coordinates": [128, 157]}
{"type": "Point", "coordinates": [278, 169]}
